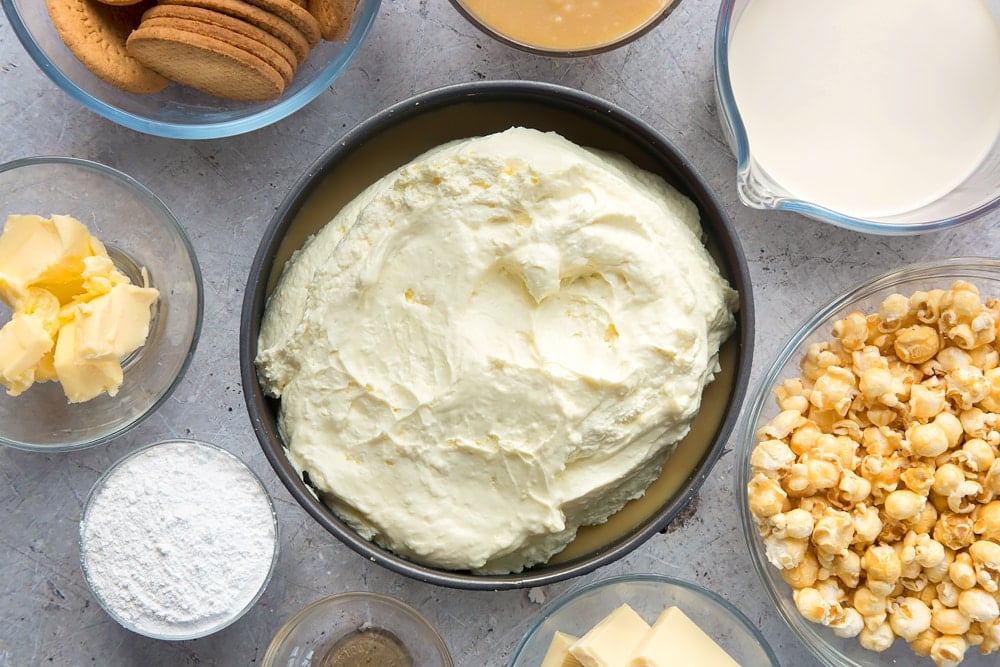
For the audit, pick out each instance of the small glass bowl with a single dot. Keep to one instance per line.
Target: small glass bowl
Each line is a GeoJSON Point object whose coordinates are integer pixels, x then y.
{"type": "Point", "coordinates": [831, 650]}
{"type": "Point", "coordinates": [189, 630]}
{"type": "Point", "coordinates": [506, 36]}
{"type": "Point", "coordinates": [178, 112]}
{"type": "Point", "coordinates": [140, 233]}
{"type": "Point", "coordinates": [578, 610]}
{"type": "Point", "coordinates": [303, 640]}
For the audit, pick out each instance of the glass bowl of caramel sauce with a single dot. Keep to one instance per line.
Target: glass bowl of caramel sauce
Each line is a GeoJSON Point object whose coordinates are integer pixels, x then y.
{"type": "Point", "coordinates": [565, 27]}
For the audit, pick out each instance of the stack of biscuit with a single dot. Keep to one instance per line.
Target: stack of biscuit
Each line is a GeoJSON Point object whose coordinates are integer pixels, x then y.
{"type": "Point", "coordinates": [237, 49]}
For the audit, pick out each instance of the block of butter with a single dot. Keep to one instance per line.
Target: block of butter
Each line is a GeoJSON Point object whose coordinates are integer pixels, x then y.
{"type": "Point", "coordinates": [624, 639]}
{"type": "Point", "coordinates": [677, 640]}
{"type": "Point", "coordinates": [558, 654]}
{"type": "Point", "coordinates": [74, 315]}
{"type": "Point", "coordinates": [610, 643]}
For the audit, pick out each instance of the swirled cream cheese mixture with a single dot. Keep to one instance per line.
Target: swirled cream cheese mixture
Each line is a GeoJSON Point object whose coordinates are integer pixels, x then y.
{"type": "Point", "coordinates": [495, 344]}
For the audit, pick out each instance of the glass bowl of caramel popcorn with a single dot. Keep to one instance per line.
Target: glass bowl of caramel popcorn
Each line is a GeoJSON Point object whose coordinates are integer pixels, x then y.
{"type": "Point", "coordinates": [869, 487]}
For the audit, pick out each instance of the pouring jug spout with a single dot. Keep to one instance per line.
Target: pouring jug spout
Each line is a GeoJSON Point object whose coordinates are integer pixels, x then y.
{"type": "Point", "coordinates": [756, 189]}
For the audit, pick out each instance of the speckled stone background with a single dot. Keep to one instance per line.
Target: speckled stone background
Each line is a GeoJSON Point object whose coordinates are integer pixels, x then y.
{"type": "Point", "coordinates": [47, 615]}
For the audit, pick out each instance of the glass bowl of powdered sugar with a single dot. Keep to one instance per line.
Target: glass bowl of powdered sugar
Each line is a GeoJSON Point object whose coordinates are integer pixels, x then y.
{"type": "Point", "coordinates": [178, 540]}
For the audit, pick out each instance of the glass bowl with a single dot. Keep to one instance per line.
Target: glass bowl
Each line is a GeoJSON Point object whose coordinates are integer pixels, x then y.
{"type": "Point", "coordinates": [581, 608]}
{"type": "Point", "coordinates": [150, 513]}
{"type": "Point", "coordinates": [307, 638]}
{"type": "Point", "coordinates": [866, 297]}
{"type": "Point", "coordinates": [503, 25]}
{"type": "Point", "coordinates": [140, 233]}
{"type": "Point", "coordinates": [395, 136]}
{"type": "Point", "coordinates": [178, 112]}
{"type": "Point", "coordinates": [976, 196]}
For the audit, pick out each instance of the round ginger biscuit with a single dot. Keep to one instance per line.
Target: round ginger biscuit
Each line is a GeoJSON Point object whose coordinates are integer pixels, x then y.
{"type": "Point", "coordinates": [95, 34]}
{"type": "Point", "coordinates": [254, 15]}
{"type": "Point", "coordinates": [333, 16]}
{"type": "Point", "coordinates": [206, 64]}
{"type": "Point", "coordinates": [265, 53]}
{"type": "Point", "coordinates": [226, 22]}
{"type": "Point", "coordinates": [295, 14]}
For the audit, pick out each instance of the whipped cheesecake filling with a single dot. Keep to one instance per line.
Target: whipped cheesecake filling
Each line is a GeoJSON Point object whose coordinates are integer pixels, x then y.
{"type": "Point", "coordinates": [493, 345]}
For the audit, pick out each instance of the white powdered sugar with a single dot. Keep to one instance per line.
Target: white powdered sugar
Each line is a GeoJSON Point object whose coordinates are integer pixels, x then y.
{"type": "Point", "coordinates": [178, 540]}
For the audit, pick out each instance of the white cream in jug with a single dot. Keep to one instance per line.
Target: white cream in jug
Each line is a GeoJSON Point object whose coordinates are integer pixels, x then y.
{"type": "Point", "coordinates": [494, 345]}
{"type": "Point", "coordinates": [868, 107]}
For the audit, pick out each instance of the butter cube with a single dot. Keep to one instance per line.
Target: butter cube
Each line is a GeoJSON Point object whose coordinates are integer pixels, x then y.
{"type": "Point", "coordinates": [46, 253]}
{"type": "Point", "coordinates": [83, 379]}
{"type": "Point", "coordinates": [558, 654]}
{"type": "Point", "coordinates": [23, 343]}
{"type": "Point", "coordinates": [114, 324]}
{"type": "Point", "coordinates": [677, 640]}
{"type": "Point", "coordinates": [611, 642]}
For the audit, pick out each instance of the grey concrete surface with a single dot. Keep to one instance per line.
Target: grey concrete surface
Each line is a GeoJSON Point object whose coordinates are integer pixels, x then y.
{"type": "Point", "coordinates": [47, 615]}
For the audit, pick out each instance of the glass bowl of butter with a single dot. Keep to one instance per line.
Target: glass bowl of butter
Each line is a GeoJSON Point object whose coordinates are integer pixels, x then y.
{"type": "Point", "coordinates": [650, 618]}
{"type": "Point", "coordinates": [100, 303]}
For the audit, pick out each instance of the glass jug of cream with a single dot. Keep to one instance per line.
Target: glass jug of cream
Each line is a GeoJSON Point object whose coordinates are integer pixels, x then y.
{"type": "Point", "coordinates": [876, 115]}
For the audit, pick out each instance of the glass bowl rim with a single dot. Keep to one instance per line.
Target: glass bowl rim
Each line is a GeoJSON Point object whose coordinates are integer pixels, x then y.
{"type": "Point", "coordinates": [153, 201]}
{"type": "Point", "coordinates": [193, 130]}
{"type": "Point", "coordinates": [493, 91]}
{"type": "Point", "coordinates": [621, 41]}
{"type": "Point", "coordinates": [733, 122]}
{"type": "Point", "coordinates": [572, 594]}
{"type": "Point", "coordinates": [431, 633]}
{"type": "Point", "coordinates": [98, 486]}
{"type": "Point", "coordinates": [762, 393]}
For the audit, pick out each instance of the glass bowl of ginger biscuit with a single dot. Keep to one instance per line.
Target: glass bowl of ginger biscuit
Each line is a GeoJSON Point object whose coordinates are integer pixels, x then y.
{"type": "Point", "coordinates": [868, 466]}
{"type": "Point", "coordinates": [192, 69]}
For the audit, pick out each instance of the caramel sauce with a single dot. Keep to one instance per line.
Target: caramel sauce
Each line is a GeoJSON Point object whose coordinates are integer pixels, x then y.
{"type": "Point", "coordinates": [565, 25]}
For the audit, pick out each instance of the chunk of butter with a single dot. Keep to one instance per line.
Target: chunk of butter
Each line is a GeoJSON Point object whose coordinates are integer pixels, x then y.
{"type": "Point", "coordinates": [83, 378]}
{"type": "Point", "coordinates": [611, 642]}
{"type": "Point", "coordinates": [558, 654]}
{"type": "Point", "coordinates": [677, 640]}
{"type": "Point", "coordinates": [47, 253]}
{"type": "Point", "coordinates": [74, 314]}
{"type": "Point", "coordinates": [23, 343]}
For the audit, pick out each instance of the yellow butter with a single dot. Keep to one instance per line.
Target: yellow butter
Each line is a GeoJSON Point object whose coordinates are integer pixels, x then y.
{"type": "Point", "coordinates": [610, 643]}
{"type": "Point", "coordinates": [74, 314]}
{"type": "Point", "coordinates": [677, 640]}
{"type": "Point", "coordinates": [113, 324]}
{"type": "Point", "coordinates": [558, 654]}
{"type": "Point", "coordinates": [23, 343]}
{"type": "Point", "coordinates": [83, 379]}
{"type": "Point", "coordinates": [45, 253]}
